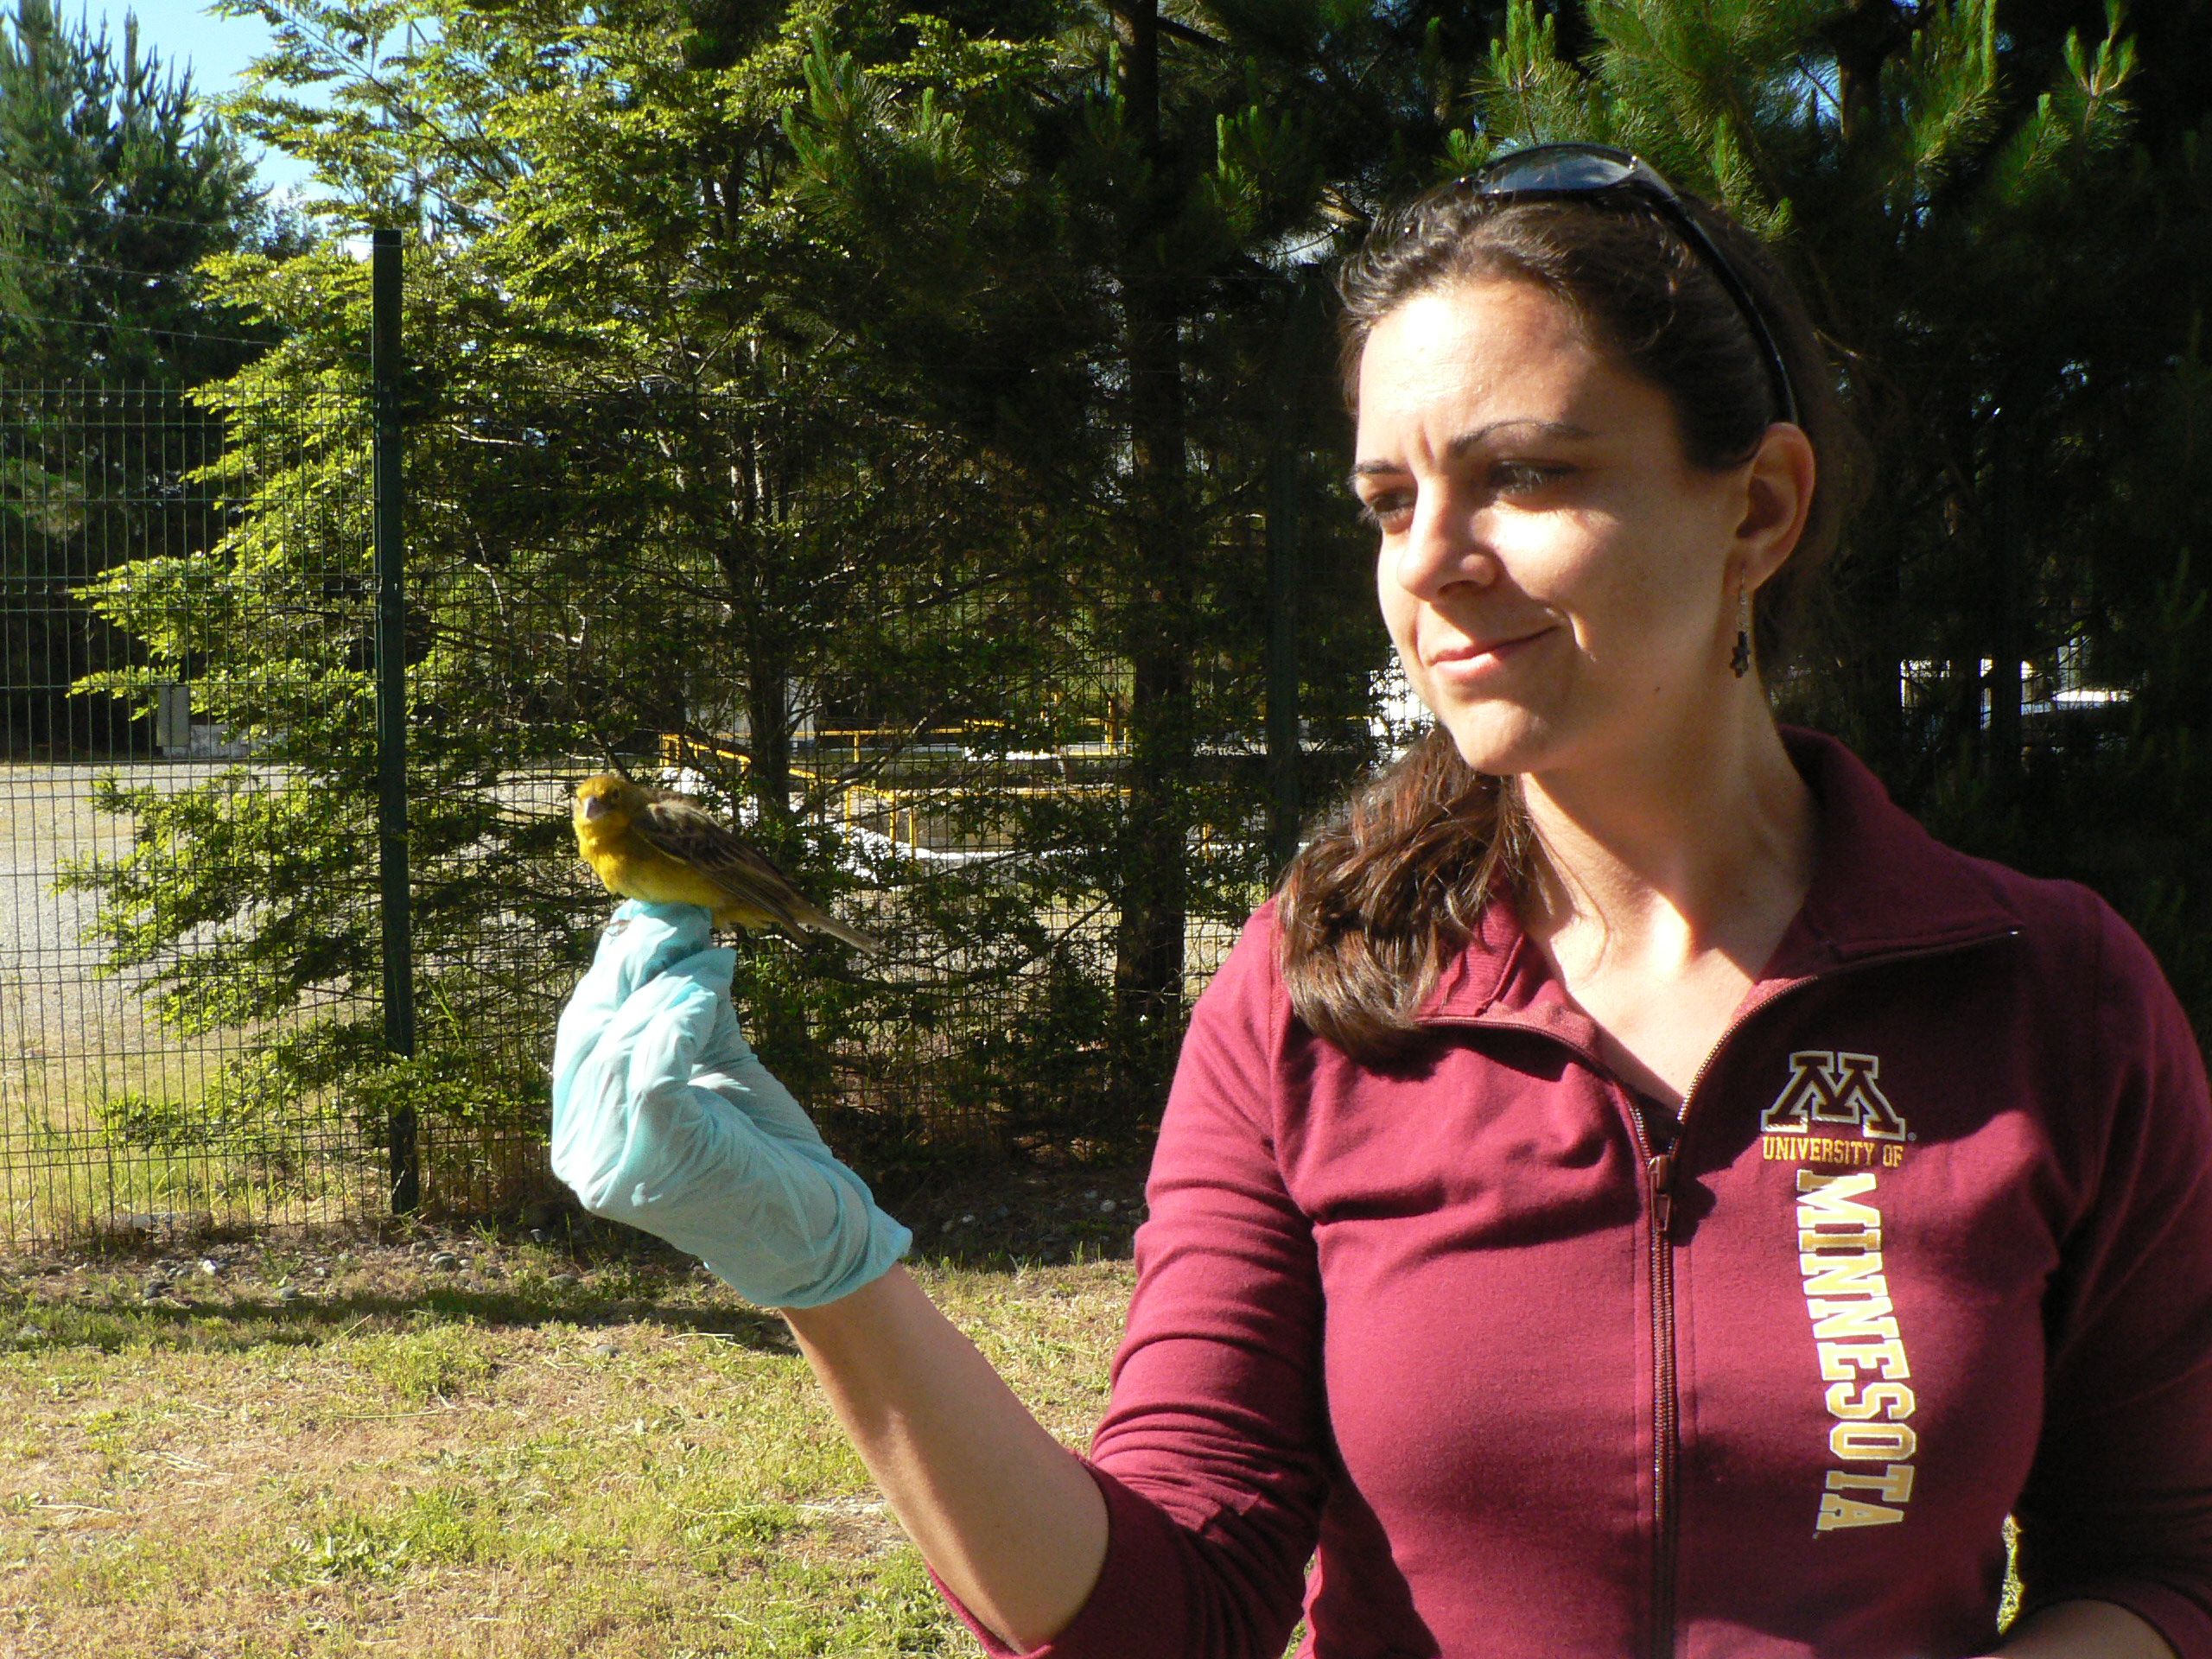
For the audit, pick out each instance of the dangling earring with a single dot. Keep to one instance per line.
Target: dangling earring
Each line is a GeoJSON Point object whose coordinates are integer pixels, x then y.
{"type": "Point", "coordinates": [1739, 660]}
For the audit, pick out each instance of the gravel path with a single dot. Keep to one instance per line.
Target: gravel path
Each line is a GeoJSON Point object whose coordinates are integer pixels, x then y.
{"type": "Point", "coordinates": [67, 1034]}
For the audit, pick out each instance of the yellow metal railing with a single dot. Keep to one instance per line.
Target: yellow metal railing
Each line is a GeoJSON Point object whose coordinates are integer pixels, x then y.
{"type": "Point", "coordinates": [859, 802]}
{"type": "Point", "coordinates": [676, 747]}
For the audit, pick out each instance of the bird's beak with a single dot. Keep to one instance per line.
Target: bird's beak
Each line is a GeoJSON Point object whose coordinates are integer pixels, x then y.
{"type": "Point", "coordinates": [595, 806]}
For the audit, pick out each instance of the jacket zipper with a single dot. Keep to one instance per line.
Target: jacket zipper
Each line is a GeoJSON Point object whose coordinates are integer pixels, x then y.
{"type": "Point", "coordinates": [1666, 1403]}
{"type": "Point", "coordinates": [1659, 1193]}
{"type": "Point", "coordinates": [1659, 1171]}
{"type": "Point", "coordinates": [1666, 1438]}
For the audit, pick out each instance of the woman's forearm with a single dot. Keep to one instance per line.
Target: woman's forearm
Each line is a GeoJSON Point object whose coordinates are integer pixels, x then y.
{"type": "Point", "coordinates": [2084, 1629]}
{"type": "Point", "coordinates": [1003, 1513]}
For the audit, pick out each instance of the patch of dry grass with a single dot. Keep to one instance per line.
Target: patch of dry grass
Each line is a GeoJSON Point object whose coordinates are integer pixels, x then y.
{"type": "Point", "coordinates": [472, 1460]}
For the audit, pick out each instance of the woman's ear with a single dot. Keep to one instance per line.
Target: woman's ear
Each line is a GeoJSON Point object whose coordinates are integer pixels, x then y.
{"type": "Point", "coordinates": [1777, 500]}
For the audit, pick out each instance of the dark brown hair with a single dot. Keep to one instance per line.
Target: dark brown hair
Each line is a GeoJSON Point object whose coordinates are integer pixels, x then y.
{"type": "Point", "coordinates": [1382, 896]}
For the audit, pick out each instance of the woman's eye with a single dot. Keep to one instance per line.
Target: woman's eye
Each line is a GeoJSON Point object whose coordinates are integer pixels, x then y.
{"type": "Point", "coordinates": [1524, 477]}
{"type": "Point", "coordinates": [1389, 511]}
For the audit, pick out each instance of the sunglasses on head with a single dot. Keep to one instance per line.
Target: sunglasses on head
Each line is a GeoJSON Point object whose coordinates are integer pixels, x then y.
{"type": "Point", "coordinates": [1552, 171]}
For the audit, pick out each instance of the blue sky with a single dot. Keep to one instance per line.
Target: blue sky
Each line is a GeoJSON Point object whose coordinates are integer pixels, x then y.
{"type": "Point", "coordinates": [217, 48]}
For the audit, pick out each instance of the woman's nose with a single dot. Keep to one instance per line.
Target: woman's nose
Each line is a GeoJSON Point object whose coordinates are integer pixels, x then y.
{"type": "Point", "coordinates": [1446, 545]}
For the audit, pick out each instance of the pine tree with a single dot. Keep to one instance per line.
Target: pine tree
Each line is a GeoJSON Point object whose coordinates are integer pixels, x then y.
{"type": "Point", "coordinates": [653, 494]}
{"type": "Point", "coordinates": [114, 185]}
{"type": "Point", "coordinates": [2013, 286]}
{"type": "Point", "coordinates": [898, 251]}
{"type": "Point", "coordinates": [1174, 194]}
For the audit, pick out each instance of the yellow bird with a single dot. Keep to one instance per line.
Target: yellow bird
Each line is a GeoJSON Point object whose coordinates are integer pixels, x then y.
{"type": "Point", "coordinates": [664, 848]}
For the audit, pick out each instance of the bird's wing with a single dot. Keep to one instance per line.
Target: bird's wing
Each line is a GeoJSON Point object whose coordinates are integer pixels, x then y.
{"type": "Point", "coordinates": [678, 827]}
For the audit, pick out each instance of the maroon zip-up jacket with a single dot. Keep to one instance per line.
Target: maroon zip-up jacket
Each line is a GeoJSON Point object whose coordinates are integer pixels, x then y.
{"type": "Point", "coordinates": [1934, 1248]}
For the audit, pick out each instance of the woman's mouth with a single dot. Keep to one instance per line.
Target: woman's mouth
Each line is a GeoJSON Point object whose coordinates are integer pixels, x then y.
{"type": "Point", "coordinates": [1473, 658]}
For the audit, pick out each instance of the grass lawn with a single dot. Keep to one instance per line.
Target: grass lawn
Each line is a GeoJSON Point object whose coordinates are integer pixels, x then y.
{"type": "Point", "coordinates": [337, 1446]}
{"type": "Point", "coordinates": [580, 1448]}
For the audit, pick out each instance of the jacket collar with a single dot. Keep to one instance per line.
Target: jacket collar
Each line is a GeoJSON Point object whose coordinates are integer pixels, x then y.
{"type": "Point", "coordinates": [1882, 887]}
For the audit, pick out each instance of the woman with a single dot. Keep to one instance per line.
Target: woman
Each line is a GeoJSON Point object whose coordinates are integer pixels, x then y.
{"type": "Point", "coordinates": [1632, 1192]}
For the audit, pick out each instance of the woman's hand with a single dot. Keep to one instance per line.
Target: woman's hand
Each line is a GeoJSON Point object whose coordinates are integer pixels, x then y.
{"type": "Point", "coordinates": [664, 1118]}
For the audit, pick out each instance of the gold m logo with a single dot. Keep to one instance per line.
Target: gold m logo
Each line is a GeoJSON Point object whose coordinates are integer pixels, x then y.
{"type": "Point", "coordinates": [1827, 1088]}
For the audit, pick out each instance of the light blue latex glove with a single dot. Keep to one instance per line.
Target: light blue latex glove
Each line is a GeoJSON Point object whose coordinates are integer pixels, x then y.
{"type": "Point", "coordinates": [662, 1118]}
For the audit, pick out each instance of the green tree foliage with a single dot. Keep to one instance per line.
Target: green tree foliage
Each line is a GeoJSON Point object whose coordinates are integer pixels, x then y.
{"type": "Point", "coordinates": [2014, 289]}
{"type": "Point", "coordinates": [679, 469]}
{"type": "Point", "coordinates": [1155, 221]}
{"type": "Point", "coordinates": [114, 185]}
{"type": "Point", "coordinates": [959, 371]}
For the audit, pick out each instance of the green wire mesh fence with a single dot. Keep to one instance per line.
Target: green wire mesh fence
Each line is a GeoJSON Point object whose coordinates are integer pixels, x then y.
{"type": "Point", "coordinates": [131, 1096]}
{"type": "Point", "coordinates": [831, 626]}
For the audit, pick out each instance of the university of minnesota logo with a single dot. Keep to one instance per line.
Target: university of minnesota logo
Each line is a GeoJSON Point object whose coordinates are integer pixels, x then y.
{"type": "Point", "coordinates": [1840, 1241]}
{"type": "Point", "coordinates": [1830, 1090]}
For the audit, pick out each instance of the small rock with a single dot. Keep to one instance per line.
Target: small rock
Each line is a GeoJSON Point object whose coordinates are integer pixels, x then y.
{"type": "Point", "coordinates": [446, 1261]}
{"type": "Point", "coordinates": [564, 1280]}
{"type": "Point", "coordinates": [1092, 1193]}
{"type": "Point", "coordinates": [288, 1294]}
{"type": "Point", "coordinates": [319, 1273]}
{"type": "Point", "coordinates": [603, 1350]}
{"type": "Point", "coordinates": [968, 1221]}
{"type": "Point", "coordinates": [155, 1290]}
{"type": "Point", "coordinates": [29, 1333]}
{"type": "Point", "coordinates": [1105, 1206]}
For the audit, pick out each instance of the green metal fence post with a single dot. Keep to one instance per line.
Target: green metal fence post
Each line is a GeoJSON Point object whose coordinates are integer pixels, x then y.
{"type": "Point", "coordinates": [391, 699]}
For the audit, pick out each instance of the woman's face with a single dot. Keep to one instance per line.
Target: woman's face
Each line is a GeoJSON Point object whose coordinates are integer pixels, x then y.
{"type": "Point", "coordinates": [1558, 579]}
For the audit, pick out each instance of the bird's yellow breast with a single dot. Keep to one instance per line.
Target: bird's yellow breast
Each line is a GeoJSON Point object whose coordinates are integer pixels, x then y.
{"type": "Point", "coordinates": [629, 868]}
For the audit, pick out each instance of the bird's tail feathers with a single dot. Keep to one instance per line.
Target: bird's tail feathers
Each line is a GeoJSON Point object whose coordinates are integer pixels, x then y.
{"type": "Point", "coordinates": [822, 922]}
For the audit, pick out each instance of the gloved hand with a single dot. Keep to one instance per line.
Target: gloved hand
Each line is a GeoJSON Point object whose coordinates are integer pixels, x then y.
{"type": "Point", "coordinates": [662, 1118]}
